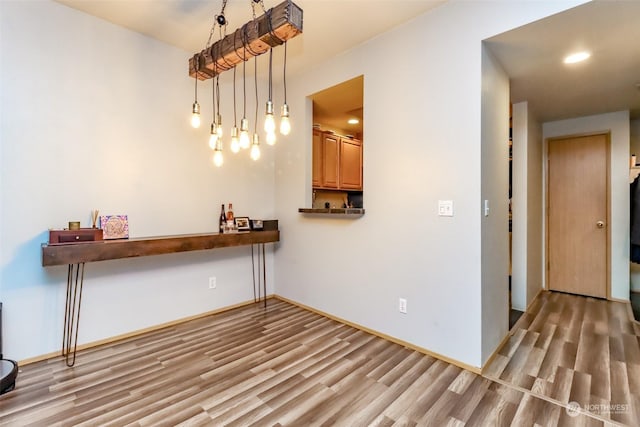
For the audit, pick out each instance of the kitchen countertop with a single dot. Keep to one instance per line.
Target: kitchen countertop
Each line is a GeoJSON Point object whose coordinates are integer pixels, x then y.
{"type": "Point", "coordinates": [333, 211]}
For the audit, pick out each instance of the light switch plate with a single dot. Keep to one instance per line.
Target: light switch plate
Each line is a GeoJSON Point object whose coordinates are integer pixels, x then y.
{"type": "Point", "coordinates": [445, 207]}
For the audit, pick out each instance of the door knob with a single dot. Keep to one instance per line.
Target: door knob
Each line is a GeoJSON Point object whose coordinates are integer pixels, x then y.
{"type": "Point", "coordinates": [600, 224]}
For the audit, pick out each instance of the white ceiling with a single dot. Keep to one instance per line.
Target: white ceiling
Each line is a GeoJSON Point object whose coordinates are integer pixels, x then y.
{"type": "Point", "coordinates": [531, 55]}
{"type": "Point", "coordinates": [329, 26]}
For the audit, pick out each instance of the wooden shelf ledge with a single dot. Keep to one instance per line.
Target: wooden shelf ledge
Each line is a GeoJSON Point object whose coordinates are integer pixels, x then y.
{"type": "Point", "coordinates": [63, 254]}
{"type": "Point", "coordinates": [334, 211]}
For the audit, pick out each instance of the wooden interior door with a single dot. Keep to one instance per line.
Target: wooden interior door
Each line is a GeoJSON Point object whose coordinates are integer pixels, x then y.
{"type": "Point", "coordinates": [577, 236]}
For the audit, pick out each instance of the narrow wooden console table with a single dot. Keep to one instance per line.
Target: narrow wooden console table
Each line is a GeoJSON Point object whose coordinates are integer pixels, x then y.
{"type": "Point", "coordinates": [77, 254]}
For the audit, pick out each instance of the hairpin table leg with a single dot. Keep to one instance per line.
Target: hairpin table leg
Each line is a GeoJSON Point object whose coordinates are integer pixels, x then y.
{"type": "Point", "coordinates": [253, 274]}
{"type": "Point", "coordinates": [261, 263]}
{"type": "Point", "coordinates": [264, 275]}
{"type": "Point", "coordinates": [72, 312]}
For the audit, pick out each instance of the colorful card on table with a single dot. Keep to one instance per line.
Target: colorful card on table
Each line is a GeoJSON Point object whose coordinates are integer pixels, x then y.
{"type": "Point", "coordinates": [114, 226]}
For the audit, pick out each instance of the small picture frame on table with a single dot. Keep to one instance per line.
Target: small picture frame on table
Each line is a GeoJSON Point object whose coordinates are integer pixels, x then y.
{"type": "Point", "coordinates": [114, 226]}
{"type": "Point", "coordinates": [256, 224]}
{"type": "Point", "coordinates": [242, 223]}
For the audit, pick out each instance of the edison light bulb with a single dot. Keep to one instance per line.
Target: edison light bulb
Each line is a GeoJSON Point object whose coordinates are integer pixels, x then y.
{"type": "Point", "coordinates": [195, 116]}
{"type": "Point", "coordinates": [269, 121]}
{"type": "Point", "coordinates": [271, 137]}
{"type": "Point", "coordinates": [195, 120]}
{"type": "Point", "coordinates": [235, 144]}
{"type": "Point", "coordinates": [285, 125]}
{"type": "Point", "coordinates": [255, 147]}
{"type": "Point", "coordinates": [213, 137]}
{"type": "Point", "coordinates": [244, 139]}
{"type": "Point", "coordinates": [218, 159]}
{"type": "Point", "coordinates": [244, 133]}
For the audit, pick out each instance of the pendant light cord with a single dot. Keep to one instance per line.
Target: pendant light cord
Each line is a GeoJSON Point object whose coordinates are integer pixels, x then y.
{"type": "Point", "coordinates": [235, 120]}
{"type": "Point", "coordinates": [255, 82]}
{"type": "Point", "coordinates": [244, 84]}
{"type": "Point", "coordinates": [213, 98]}
{"type": "Point", "coordinates": [284, 78]}
{"type": "Point", "coordinates": [270, 74]}
{"type": "Point", "coordinates": [197, 73]}
{"type": "Point", "coordinates": [218, 93]}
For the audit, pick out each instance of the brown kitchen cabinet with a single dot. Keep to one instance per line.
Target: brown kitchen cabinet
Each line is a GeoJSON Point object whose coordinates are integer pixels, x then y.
{"type": "Point", "coordinates": [317, 158]}
{"type": "Point", "coordinates": [330, 161]}
{"type": "Point", "coordinates": [337, 162]}
{"type": "Point", "coordinates": [350, 164]}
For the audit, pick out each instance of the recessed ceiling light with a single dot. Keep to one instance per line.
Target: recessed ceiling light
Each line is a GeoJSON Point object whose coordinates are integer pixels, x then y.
{"type": "Point", "coordinates": [353, 121]}
{"type": "Point", "coordinates": [576, 57]}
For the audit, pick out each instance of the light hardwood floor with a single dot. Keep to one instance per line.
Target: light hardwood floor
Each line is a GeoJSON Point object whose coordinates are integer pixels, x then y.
{"type": "Point", "coordinates": [286, 366]}
{"type": "Point", "coordinates": [570, 348]}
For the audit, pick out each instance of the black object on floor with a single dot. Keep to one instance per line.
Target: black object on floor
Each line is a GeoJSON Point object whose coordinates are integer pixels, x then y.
{"type": "Point", "coordinates": [514, 315]}
{"type": "Point", "coordinates": [8, 374]}
{"type": "Point", "coordinates": [635, 305]}
{"type": "Point", "coordinates": [8, 368]}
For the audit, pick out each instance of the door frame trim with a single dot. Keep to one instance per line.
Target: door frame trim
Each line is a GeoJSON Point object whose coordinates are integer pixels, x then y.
{"type": "Point", "coordinates": [607, 135]}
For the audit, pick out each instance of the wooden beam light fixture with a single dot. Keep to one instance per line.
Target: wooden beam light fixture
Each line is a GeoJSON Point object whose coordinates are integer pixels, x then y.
{"type": "Point", "coordinates": [274, 28]}
{"type": "Point", "coordinates": [277, 25]}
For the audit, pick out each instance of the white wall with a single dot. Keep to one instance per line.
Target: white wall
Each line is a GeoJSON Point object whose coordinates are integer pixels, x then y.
{"type": "Point", "coordinates": [495, 190]}
{"type": "Point", "coordinates": [96, 116]}
{"type": "Point", "coordinates": [535, 213]}
{"type": "Point", "coordinates": [618, 124]}
{"type": "Point", "coordinates": [635, 149]}
{"type": "Point", "coordinates": [519, 206]}
{"type": "Point", "coordinates": [527, 268]}
{"type": "Point", "coordinates": [422, 139]}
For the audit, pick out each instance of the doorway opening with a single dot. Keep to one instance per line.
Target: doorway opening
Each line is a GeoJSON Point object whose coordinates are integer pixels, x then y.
{"type": "Point", "coordinates": [578, 215]}
{"type": "Point", "coordinates": [514, 314]}
{"type": "Point", "coordinates": [338, 145]}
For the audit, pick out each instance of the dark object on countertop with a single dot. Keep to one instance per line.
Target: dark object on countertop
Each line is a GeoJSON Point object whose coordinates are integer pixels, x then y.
{"type": "Point", "coordinates": [81, 235]}
{"type": "Point", "coordinates": [269, 224]}
{"type": "Point", "coordinates": [355, 200]}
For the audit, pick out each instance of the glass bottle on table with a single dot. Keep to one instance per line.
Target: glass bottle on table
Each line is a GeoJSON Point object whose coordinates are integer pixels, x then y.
{"type": "Point", "coordinates": [223, 219]}
{"type": "Point", "coordinates": [231, 224]}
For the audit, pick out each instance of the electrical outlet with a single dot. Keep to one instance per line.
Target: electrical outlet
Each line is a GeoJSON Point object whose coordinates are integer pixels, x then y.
{"type": "Point", "coordinates": [212, 282]}
{"type": "Point", "coordinates": [402, 305]}
{"type": "Point", "coordinates": [445, 207]}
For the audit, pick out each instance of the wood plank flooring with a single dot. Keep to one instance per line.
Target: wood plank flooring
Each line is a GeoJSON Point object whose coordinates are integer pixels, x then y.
{"type": "Point", "coordinates": [575, 349]}
{"type": "Point", "coordinates": [286, 366]}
